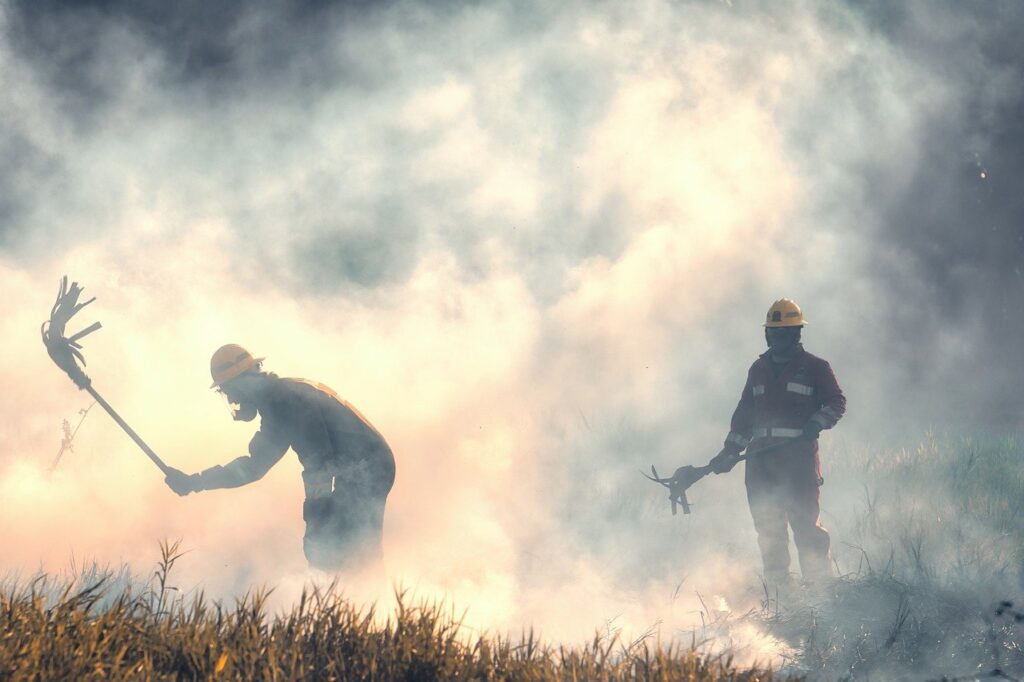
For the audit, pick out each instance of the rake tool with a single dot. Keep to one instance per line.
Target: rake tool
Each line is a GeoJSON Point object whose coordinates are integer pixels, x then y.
{"type": "Point", "coordinates": [686, 476]}
{"type": "Point", "coordinates": [66, 353]}
{"type": "Point", "coordinates": [678, 483]}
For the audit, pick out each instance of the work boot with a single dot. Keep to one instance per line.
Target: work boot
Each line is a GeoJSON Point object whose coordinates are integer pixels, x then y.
{"type": "Point", "coordinates": [816, 569]}
{"type": "Point", "coordinates": [778, 582]}
{"type": "Point", "coordinates": [818, 584]}
{"type": "Point", "coordinates": [817, 578]}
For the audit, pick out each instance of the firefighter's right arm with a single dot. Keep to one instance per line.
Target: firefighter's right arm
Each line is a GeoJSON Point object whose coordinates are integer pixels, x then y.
{"type": "Point", "coordinates": [264, 452]}
{"type": "Point", "coordinates": [741, 427]}
{"type": "Point", "coordinates": [740, 430]}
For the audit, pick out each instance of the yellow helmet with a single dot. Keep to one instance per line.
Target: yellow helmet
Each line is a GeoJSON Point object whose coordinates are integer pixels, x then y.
{"type": "Point", "coordinates": [785, 313]}
{"type": "Point", "coordinates": [229, 361]}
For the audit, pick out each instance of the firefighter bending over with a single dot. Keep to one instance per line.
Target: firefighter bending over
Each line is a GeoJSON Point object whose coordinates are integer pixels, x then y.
{"type": "Point", "coordinates": [790, 395]}
{"type": "Point", "coordinates": [348, 468]}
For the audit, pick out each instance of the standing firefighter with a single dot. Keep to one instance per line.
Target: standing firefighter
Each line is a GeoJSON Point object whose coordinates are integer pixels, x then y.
{"type": "Point", "coordinates": [790, 395]}
{"type": "Point", "coordinates": [348, 468]}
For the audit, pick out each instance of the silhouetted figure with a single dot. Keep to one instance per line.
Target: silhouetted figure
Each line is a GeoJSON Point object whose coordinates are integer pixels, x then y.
{"type": "Point", "coordinates": [348, 468]}
{"type": "Point", "coordinates": [789, 394]}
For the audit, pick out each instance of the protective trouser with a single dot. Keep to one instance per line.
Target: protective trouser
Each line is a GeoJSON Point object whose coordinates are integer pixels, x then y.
{"type": "Point", "coordinates": [783, 492]}
{"type": "Point", "coordinates": [344, 527]}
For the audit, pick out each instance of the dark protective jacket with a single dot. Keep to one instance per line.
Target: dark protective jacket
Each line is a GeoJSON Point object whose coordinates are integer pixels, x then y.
{"type": "Point", "coordinates": [778, 406]}
{"type": "Point", "coordinates": [336, 445]}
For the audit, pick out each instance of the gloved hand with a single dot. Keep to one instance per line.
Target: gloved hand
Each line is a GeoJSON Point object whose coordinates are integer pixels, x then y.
{"type": "Point", "coordinates": [182, 483]}
{"type": "Point", "coordinates": [725, 460]}
{"type": "Point", "coordinates": [812, 430]}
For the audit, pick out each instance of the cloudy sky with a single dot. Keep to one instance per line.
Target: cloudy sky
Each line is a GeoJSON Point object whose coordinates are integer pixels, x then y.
{"type": "Point", "coordinates": [532, 242]}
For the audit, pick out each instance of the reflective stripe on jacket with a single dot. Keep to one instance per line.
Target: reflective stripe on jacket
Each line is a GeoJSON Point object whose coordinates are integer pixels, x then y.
{"type": "Point", "coordinates": [780, 406]}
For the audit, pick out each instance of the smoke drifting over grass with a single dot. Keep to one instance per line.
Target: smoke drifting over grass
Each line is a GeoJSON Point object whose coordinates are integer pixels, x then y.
{"type": "Point", "coordinates": [532, 245]}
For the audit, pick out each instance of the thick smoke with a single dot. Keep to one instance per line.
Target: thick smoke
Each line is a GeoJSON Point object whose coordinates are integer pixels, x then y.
{"type": "Point", "coordinates": [533, 247]}
{"type": "Point", "coordinates": [950, 240]}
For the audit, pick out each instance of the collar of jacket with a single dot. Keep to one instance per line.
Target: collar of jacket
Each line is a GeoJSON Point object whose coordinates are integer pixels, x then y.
{"type": "Point", "coordinates": [766, 356]}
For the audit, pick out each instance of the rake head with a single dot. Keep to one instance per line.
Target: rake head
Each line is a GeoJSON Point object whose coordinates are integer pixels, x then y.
{"type": "Point", "coordinates": [66, 351]}
{"type": "Point", "coordinates": [677, 485]}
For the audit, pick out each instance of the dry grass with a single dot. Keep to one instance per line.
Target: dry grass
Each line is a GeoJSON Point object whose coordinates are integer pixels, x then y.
{"type": "Point", "coordinates": [931, 542]}
{"type": "Point", "coordinates": [84, 632]}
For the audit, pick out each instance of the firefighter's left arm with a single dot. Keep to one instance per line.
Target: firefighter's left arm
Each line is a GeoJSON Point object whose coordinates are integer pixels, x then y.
{"type": "Point", "coordinates": [831, 398]}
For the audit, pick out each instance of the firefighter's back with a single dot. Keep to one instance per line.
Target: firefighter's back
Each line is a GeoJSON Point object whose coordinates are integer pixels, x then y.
{"type": "Point", "coordinates": [337, 436]}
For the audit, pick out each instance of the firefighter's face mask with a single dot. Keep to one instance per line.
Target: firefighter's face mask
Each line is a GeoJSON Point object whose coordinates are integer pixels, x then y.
{"type": "Point", "coordinates": [244, 412]}
{"type": "Point", "coordinates": [781, 339]}
{"type": "Point", "coordinates": [242, 407]}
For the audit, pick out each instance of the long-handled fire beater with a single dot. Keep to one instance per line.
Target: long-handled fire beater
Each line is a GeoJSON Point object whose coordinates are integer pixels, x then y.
{"type": "Point", "coordinates": [66, 353]}
{"type": "Point", "coordinates": [686, 476]}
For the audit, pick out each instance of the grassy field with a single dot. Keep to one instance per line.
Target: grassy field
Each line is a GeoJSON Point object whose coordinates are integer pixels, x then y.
{"type": "Point", "coordinates": [928, 541]}
{"type": "Point", "coordinates": [102, 628]}
{"type": "Point", "coordinates": [929, 546]}
{"type": "Point", "coordinates": [931, 543]}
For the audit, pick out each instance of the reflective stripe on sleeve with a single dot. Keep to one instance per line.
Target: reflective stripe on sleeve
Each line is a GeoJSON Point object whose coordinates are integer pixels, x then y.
{"type": "Point", "coordinates": [737, 439]}
{"type": "Point", "coordinates": [826, 416]}
{"type": "Point", "coordinates": [829, 412]}
{"type": "Point", "coordinates": [758, 390]}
